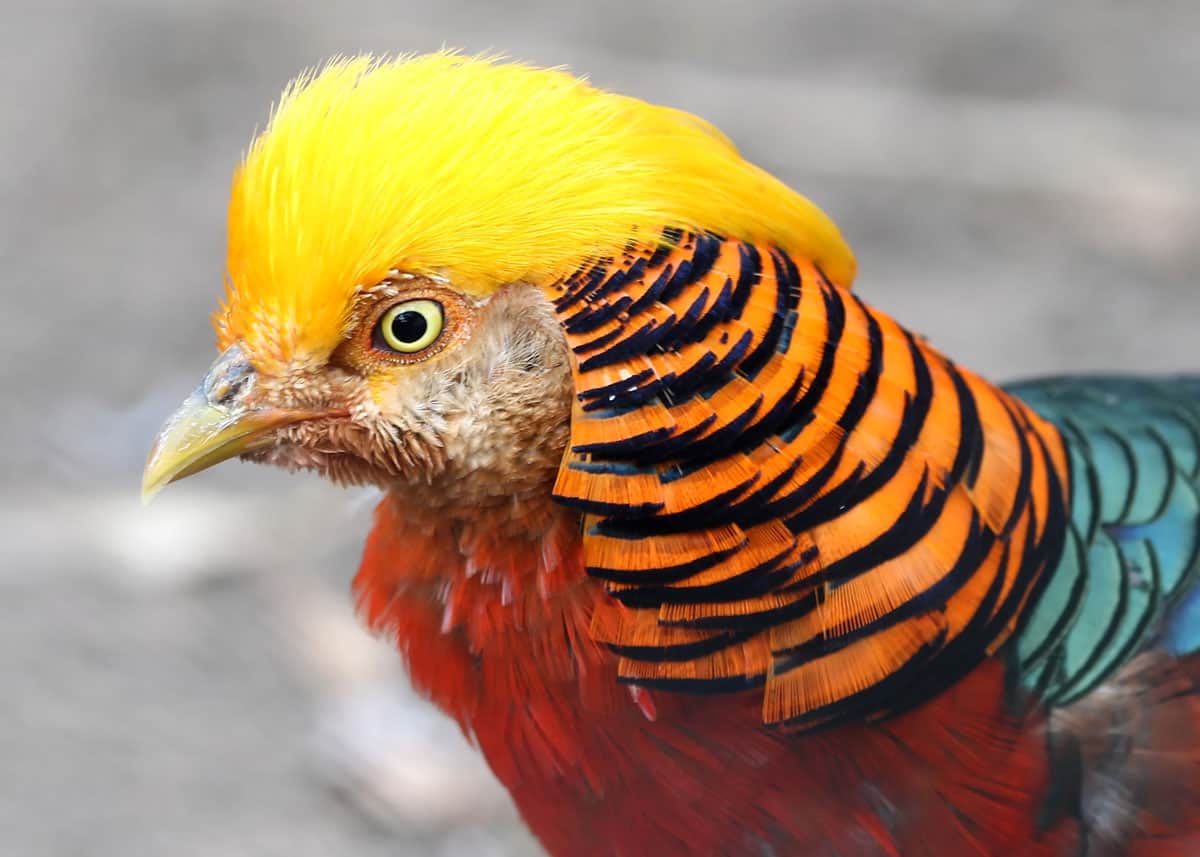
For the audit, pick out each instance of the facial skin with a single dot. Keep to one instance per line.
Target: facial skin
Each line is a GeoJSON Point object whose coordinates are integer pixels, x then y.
{"type": "Point", "coordinates": [476, 419]}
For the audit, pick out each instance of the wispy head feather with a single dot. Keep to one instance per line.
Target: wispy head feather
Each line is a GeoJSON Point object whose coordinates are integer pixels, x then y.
{"type": "Point", "coordinates": [481, 171]}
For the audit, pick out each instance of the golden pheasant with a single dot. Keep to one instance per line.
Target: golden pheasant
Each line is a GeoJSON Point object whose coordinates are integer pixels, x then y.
{"type": "Point", "coordinates": [708, 556]}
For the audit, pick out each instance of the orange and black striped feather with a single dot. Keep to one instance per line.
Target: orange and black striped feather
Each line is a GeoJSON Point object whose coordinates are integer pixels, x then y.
{"type": "Point", "coordinates": [784, 487]}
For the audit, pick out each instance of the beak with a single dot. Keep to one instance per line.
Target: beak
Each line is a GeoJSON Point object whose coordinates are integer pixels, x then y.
{"type": "Point", "coordinates": [216, 422]}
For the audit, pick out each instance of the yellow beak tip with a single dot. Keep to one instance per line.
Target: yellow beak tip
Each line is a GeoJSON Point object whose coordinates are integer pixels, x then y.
{"type": "Point", "coordinates": [150, 490]}
{"type": "Point", "coordinates": [163, 466]}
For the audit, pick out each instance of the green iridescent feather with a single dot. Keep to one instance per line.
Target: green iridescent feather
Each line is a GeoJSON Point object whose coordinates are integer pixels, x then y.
{"type": "Point", "coordinates": [1127, 579]}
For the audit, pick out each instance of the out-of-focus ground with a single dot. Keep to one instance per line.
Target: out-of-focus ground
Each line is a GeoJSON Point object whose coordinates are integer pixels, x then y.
{"type": "Point", "coordinates": [1021, 181]}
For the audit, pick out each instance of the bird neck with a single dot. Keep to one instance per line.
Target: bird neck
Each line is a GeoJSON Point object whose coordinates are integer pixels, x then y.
{"type": "Point", "coordinates": [462, 592]}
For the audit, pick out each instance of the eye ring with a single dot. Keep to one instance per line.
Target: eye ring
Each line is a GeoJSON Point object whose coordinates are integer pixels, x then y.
{"type": "Point", "coordinates": [410, 326]}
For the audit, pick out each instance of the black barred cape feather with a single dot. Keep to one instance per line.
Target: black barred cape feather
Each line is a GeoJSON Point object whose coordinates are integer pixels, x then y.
{"type": "Point", "coordinates": [783, 488]}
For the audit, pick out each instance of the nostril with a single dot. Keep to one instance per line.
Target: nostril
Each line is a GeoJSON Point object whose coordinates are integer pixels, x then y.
{"type": "Point", "coordinates": [231, 378]}
{"type": "Point", "coordinates": [222, 391]}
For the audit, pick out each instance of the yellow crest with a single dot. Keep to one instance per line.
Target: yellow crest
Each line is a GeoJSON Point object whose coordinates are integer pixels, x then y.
{"type": "Point", "coordinates": [477, 170]}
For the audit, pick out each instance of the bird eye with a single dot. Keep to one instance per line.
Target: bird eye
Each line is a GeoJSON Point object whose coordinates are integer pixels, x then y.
{"type": "Point", "coordinates": [410, 327]}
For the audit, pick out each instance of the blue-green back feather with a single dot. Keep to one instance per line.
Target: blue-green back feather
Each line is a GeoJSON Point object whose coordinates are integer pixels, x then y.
{"type": "Point", "coordinates": [1127, 579]}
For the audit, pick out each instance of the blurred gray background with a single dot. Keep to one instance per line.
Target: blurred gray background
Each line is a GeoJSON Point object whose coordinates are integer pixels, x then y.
{"type": "Point", "coordinates": [1021, 181]}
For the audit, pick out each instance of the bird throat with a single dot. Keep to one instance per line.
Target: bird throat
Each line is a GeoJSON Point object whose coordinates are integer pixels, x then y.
{"type": "Point", "coordinates": [472, 595]}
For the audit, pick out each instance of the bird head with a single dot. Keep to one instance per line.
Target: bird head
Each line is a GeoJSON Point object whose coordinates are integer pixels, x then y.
{"type": "Point", "coordinates": [394, 237]}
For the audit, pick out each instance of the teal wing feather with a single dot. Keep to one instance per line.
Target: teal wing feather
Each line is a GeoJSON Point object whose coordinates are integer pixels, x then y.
{"type": "Point", "coordinates": [1128, 576]}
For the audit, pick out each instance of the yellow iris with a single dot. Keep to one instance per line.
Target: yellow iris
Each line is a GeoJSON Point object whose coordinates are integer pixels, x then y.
{"type": "Point", "coordinates": [411, 326]}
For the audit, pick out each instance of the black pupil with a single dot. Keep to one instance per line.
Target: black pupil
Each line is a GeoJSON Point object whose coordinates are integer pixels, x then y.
{"type": "Point", "coordinates": [409, 326]}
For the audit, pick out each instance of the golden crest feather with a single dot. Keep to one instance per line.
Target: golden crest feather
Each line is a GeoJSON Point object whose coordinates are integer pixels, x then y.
{"type": "Point", "coordinates": [478, 170]}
